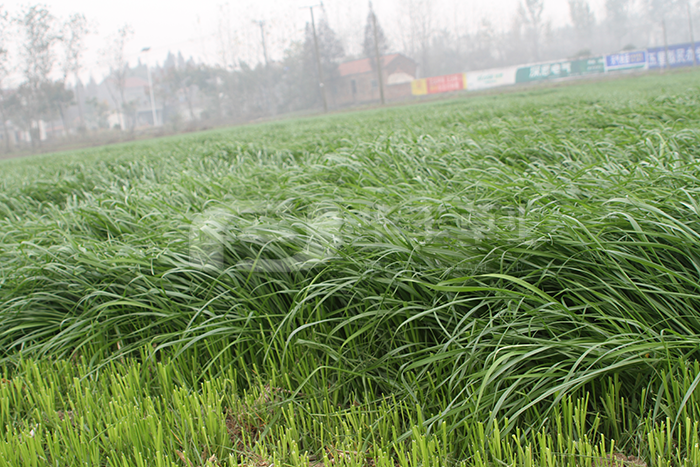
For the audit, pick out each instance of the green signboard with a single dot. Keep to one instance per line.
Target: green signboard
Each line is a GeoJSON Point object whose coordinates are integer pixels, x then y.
{"type": "Point", "coordinates": [588, 66]}
{"type": "Point", "coordinates": [563, 69]}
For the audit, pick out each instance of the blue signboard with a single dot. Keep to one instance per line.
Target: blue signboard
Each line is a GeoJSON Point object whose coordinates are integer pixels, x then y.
{"type": "Point", "coordinates": [626, 60]}
{"type": "Point", "coordinates": [678, 55]}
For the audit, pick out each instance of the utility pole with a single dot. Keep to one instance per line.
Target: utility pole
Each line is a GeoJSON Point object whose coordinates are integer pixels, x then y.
{"type": "Point", "coordinates": [663, 25]}
{"type": "Point", "coordinates": [318, 58]}
{"type": "Point", "coordinates": [692, 36]}
{"type": "Point", "coordinates": [262, 35]}
{"type": "Point", "coordinates": [150, 87]}
{"type": "Point", "coordinates": [379, 59]}
{"type": "Point", "coordinates": [266, 72]}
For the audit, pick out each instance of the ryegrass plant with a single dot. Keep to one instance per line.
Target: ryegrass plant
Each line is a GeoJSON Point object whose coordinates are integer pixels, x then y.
{"type": "Point", "coordinates": [484, 260]}
{"type": "Point", "coordinates": [138, 414]}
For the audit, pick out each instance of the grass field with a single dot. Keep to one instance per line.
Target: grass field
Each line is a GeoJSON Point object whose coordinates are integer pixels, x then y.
{"type": "Point", "coordinates": [509, 279]}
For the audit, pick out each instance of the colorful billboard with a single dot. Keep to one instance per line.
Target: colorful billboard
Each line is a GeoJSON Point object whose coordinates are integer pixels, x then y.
{"type": "Point", "coordinates": [626, 61]}
{"type": "Point", "coordinates": [486, 79]}
{"type": "Point", "coordinates": [561, 69]}
{"type": "Point", "coordinates": [438, 84]}
{"type": "Point", "coordinates": [679, 55]}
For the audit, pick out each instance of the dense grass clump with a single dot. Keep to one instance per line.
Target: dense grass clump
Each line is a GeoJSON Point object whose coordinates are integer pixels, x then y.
{"type": "Point", "coordinates": [143, 414]}
{"type": "Point", "coordinates": [483, 260]}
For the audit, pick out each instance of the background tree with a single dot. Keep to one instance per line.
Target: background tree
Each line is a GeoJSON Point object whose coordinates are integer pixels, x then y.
{"type": "Point", "coordinates": [58, 98]}
{"type": "Point", "coordinates": [331, 51]}
{"type": "Point", "coordinates": [115, 58]}
{"type": "Point", "coordinates": [617, 13]}
{"type": "Point", "coordinates": [416, 26]}
{"type": "Point", "coordinates": [446, 57]}
{"type": "Point", "coordinates": [583, 19]}
{"type": "Point", "coordinates": [673, 13]}
{"type": "Point", "coordinates": [178, 81]}
{"type": "Point", "coordinates": [292, 79]}
{"type": "Point", "coordinates": [208, 82]}
{"type": "Point", "coordinates": [4, 72]}
{"type": "Point", "coordinates": [659, 8]}
{"type": "Point", "coordinates": [226, 39]}
{"type": "Point", "coordinates": [75, 29]}
{"type": "Point", "coordinates": [39, 57]}
{"type": "Point", "coordinates": [99, 112]}
{"type": "Point", "coordinates": [481, 49]}
{"type": "Point", "coordinates": [531, 12]}
{"type": "Point", "coordinates": [368, 44]}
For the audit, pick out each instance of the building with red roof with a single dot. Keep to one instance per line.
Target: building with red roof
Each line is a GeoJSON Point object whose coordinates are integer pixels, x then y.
{"type": "Point", "coordinates": [358, 82]}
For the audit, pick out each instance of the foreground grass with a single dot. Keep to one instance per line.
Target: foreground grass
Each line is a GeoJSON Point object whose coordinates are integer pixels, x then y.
{"type": "Point", "coordinates": [483, 260]}
{"type": "Point", "coordinates": [144, 414]}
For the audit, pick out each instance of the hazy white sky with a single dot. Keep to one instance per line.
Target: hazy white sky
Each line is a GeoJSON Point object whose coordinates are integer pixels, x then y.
{"type": "Point", "coordinates": [191, 26]}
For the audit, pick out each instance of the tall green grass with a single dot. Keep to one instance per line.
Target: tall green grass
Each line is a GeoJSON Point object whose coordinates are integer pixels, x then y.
{"type": "Point", "coordinates": [483, 259]}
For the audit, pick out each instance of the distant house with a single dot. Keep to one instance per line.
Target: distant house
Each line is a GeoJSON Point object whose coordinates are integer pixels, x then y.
{"type": "Point", "coordinates": [358, 81]}
{"type": "Point", "coordinates": [137, 93]}
{"type": "Point", "coordinates": [136, 111]}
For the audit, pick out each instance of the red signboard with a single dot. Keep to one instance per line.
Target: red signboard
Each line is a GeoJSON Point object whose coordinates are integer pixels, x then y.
{"type": "Point", "coordinates": [445, 83]}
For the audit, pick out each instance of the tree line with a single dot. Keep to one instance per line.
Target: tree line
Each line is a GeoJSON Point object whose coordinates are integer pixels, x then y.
{"type": "Point", "coordinates": [51, 52]}
{"type": "Point", "coordinates": [530, 37]}
{"type": "Point", "coordinates": [49, 61]}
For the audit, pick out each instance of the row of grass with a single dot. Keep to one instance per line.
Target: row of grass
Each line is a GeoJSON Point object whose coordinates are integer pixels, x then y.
{"type": "Point", "coordinates": [484, 260]}
{"type": "Point", "coordinates": [144, 414]}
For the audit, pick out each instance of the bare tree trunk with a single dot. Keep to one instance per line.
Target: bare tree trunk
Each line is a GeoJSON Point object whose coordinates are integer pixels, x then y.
{"type": "Point", "coordinates": [5, 131]}
{"type": "Point", "coordinates": [189, 104]}
{"type": "Point", "coordinates": [80, 107]}
{"type": "Point", "coordinates": [379, 59]}
{"type": "Point", "coordinates": [63, 118]}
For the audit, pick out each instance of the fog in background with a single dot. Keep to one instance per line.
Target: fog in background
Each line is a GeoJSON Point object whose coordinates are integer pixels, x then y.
{"type": "Point", "coordinates": [78, 69]}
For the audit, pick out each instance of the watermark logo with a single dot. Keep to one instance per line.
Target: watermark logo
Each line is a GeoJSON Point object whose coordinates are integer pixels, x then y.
{"type": "Point", "coordinates": [276, 238]}
{"type": "Point", "coordinates": [260, 238]}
